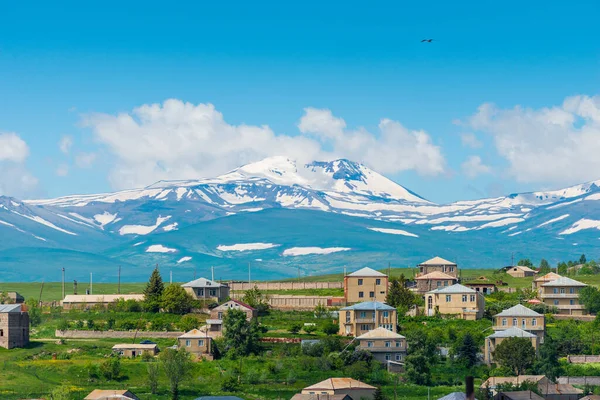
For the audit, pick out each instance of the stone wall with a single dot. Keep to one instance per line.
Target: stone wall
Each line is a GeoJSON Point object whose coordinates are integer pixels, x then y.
{"type": "Point", "coordinates": [583, 359]}
{"type": "Point", "coordinates": [580, 380]}
{"type": "Point", "coordinates": [76, 334]}
{"type": "Point", "coordinates": [301, 303]}
{"type": "Point", "coordinates": [243, 286]}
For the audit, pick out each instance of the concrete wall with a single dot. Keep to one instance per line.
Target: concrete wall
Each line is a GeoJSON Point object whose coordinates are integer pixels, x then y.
{"type": "Point", "coordinates": [583, 359]}
{"type": "Point", "coordinates": [243, 286]}
{"type": "Point", "coordinates": [75, 334]}
{"type": "Point", "coordinates": [290, 302]}
{"type": "Point", "coordinates": [580, 380]}
{"type": "Point", "coordinates": [14, 329]}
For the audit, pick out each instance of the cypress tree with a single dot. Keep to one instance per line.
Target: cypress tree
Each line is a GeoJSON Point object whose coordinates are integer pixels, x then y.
{"type": "Point", "coordinates": [153, 292]}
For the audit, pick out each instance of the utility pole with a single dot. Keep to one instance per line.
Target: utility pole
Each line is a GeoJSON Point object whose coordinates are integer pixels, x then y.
{"type": "Point", "coordinates": [91, 284]}
{"type": "Point", "coordinates": [63, 282]}
{"type": "Point", "coordinates": [512, 259]}
{"type": "Point", "coordinates": [212, 276]}
{"type": "Point", "coordinates": [171, 277]}
{"type": "Point", "coordinates": [119, 287]}
{"type": "Point", "coordinates": [249, 276]}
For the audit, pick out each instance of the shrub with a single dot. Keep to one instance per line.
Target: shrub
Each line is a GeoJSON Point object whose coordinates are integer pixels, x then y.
{"type": "Point", "coordinates": [79, 324]}
{"type": "Point", "coordinates": [295, 328]}
{"type": "Point", "coordinates": [188, 322]}
{"type": "Point", "coordinates": [230, 384]}
{"type": "Point", "coordinates": [90, 324]}
{"type": "Point", "coordinates": [330, 329]}
{"type": "Point", "coordinates": [309, 329]}
{"type": "Point", "coordinates": [63, 325]}
{"type": "Point", "coordinates": [110, 323]}
{"type": "Point", "coordinates": [110, 369]}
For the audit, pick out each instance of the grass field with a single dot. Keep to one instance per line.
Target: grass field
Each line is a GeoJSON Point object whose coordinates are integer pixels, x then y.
{"type": "Point", "coordinates": [52, 291]}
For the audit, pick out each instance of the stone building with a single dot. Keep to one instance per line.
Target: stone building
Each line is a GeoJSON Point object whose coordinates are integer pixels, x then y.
{"type": "Point", "coordinates": [563, 294]}
{"type": "Point", "coordinates": [196, 342]}
{"type": "Point", "coordinates": [457, 300]}
{"type": "Point", "coordinates": [520, 271]}
{"type": "Point", "coordinates": [14, 326]}
{"type": "Point", "coordinates": [492, 341]}
{"type": "Point", "coordinates": [521, 317]}
{"type": "Point", "coordinates": [366, 284]}
{"type": "Point", "coordinates": [434, 280]}
{"type": "Point", "coordinates": [132, 350]}
{"type": "Point", "coordinates": [438, 264]}
{"type": "Point", "coordinates": [384, 344]}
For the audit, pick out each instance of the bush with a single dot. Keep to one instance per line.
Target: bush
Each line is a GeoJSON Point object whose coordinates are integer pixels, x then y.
{"type": "Point", "coordinates": [295, 328]}
{"type": "Point", "coordinates": [79, 324]}
{"type": "Point", "coordinates": [309, 329]}
{"type": "Point", "coordinates": [90, 324]}
{"type": "Point", "coordinates": [230, 384]}
{"type": "Point", "coordinates": [110, 323]}
{"type": "Point", "coordinates": [63, 325]}
{"type": "Point", "coordinates": [188, 322]}
{"type": "Point", "coordinates": [110, 369]}
{"type": "Point", "coordinates": [330, 329]}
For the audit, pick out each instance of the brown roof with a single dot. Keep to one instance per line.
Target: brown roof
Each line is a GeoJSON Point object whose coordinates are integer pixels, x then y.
{"type": "Point", "coordinates": [316, 396]}
{"type": "Point", "coordinates": [435, 275]}
{"type": "Point", "coordinates": [520, 395]}
{"type": "Point", "coordinates": [240, 303]}
{"type": "Point", "coordinates": [99, 394]}
{"type": "Point", "coordinates": [339, 383]}
{"type": "Point", "coordinates": [549, 277]}
{"type": "Point", "coordinates": [437, 261]}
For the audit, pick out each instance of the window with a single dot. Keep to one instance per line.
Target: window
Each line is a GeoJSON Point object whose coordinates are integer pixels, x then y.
{"type": "Point", "coordinates": [213, 292]}
{"type": "Point", "coordinates": [572, 290]}
{"type": "Point", "coordinates": [523, 324]}
{"type": "Point", "coordinates": [504, 322]}
{"type": "Point", "coordinates": [201, 343]}
{"type": "Point", "coordinates": [534, 322]}
{"type": "Point", "coordinates": [464, 298]}
{"type": "Point", "coordinates": [1, 332]}
{"type": "Point", "coordinates": [200, 292]}
{"type": "Point", "coordinates": [473, 298]}
{"type": "Point", "coordinates": [448, 298]}
{"type": "Point", "coordinates": [555, 290]}
{"type": "Point", "coordinates": [515, 322]}
{"type": "Point", "coordinates": [388, 356]}
{"type": "Point", "coordinates": [386, 314]}
{"type": "Point", "coordinates": [364, 327]}
{"type": "Point", "coordinates": [562, 290]}
{"type": "Point", "coordinates": [378, 281]}
{"type": "Point", "coordinates": [451, 269]}
{"type": "Point", "coordinates": [388, 344]}
{"type": "Point", "coordinates": [361, 295]}
{"type": "Point", "coordinates": [572, 302]}
{"type": "Point", "coordinates": [398, 357]}
{"type": "Point", "coordinates": [371, 294]}
{"type": "Point", "coordinates": [445, 283]}
{"type": "Point", "coordinates": [360, 281]}
{"type": "Point", "coordinates": [219, 315]}
{"type": "Point", "coordinates": [188, 343]}
{"type": "Point", "coordinates": [399, 344]}
{"type": "Point", "coordinates": [556, 302]}
{"type": "Point", "coordinates": [363, 314]}
{"type": "Point", "coordinates": [347, 316]}
{"type": "Point", "coordinates": [369, 344]}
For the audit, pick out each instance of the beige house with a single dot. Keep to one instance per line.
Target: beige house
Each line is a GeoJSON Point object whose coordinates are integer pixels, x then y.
{"type": "Point", "coordinates": [196, 342]}
{"type": "Point", "coordinates": [563, 294]}
{"type": "Point", "coordinates": [456, 300]}
{"type": "Point", "coordinates": [499, 336]}
{"type": "Point", "coordinates": [364, 317]}
{"type": "Point", "coordinates": [220, 311]}
{"type": "Point", "coordinates": [357, 390]}
{"type": "Point", "coordinates": [205, 289]}
{"type": "Point", "coordinates": [99, 394]}
{"type": "Point", "coordinates": [546, 387]}
{"type": "Point", "coordinates": [87, 301]}
{"type": "Point", "coordinates": [133, 350]}
{"type": "Point", "coordinates": [520, 271]}
{"type": "Point", "coordinates": [540, 280]}
{"type": "Point", "coordinates": [434, 280]}
{"type": "Point", "coordinates": [14, 326]}
{"type": "Point", "coordinates": [384, 344]}
{"type": "Point", "coordinates": [518, 395]}
{"type": "Point", "coordinates": [438, 264]}
{"type": "Point", "coordinates": [365, 284]}
{"type": "Point", "coordinates": [521, 317]}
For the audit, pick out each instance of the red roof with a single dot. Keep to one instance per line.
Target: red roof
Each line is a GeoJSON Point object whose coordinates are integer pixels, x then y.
{"type": "Point", "coordinates": [241, 303]}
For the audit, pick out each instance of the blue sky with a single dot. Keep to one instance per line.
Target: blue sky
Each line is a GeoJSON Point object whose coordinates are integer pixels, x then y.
{"type": "Point", "coordinates": [68, 72]}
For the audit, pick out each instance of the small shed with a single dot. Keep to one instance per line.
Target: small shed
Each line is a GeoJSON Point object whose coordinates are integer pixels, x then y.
{"type": "Point", "coordinates": [135, 350]}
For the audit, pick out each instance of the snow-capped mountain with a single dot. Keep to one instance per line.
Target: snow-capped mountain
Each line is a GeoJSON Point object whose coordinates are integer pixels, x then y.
{"type": "Point", "coordinates": [321, 215]}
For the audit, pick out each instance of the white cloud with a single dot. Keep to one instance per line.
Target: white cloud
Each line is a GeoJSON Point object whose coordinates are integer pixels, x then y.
{"type": "Point", "coordinates": [15, 179]}
{"type": "Point", "coordinates": [65, 144]}
{"type": "Point", "coordinates": [85, 160]}
{"type": "Point", "coordinates": [555, 145]}
{"type": "Point", "coordinates": [177, 140]}
{"type": "Point", "coordinates": [473, 167]}
{"type": "Point", "coordinates": [470, 140]}
{"type": "Point", "coordinates": [62, 170]}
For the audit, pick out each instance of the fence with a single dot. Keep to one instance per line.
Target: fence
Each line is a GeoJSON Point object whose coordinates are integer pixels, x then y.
{"type": "Point", "coordinates": [243, 286]}
{"type": "Point", "coordinates": [76, 334]}
{"type": "Point", "coordinates": [290, 302]}
{"type": "Point", "coordinates": [579, 380]}
{"type": "Point", "coordinates": [583, 359]}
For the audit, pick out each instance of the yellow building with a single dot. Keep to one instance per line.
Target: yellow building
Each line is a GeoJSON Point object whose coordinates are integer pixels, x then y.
{"type": "Point", "coordinates": [364, 317]}
{"type": "Point", "coordinates": [205, 289]}
{"type": "Point", "coordinates": [456, 300]}
{"type": "Point", "coordinates": [342, 386]}
{"type": "Point", "coordinates": [521, 317]}
{"type": "Point", "coordinates": [540, 280]}
{"type": "Point", "coordinates": [492, 341]}
{"type": "Point", "coordinates": [563, 294]}
{"type": "Point", "coordinates": [438, 264]}
{"type": "Point", "coordinates": [365, 284]}
{"type": "Point", "coordinates": [384, 344]}
{"type": "Point", "coordinates": [197, 343]}
{"type": "Point", "coordinates": [135, 350]}
{"type": "Point", "coordinates": [520, 271]}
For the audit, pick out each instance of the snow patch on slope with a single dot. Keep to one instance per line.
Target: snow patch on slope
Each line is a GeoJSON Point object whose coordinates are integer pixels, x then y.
{"type": "Point", "coordinates": [393, 231]}
{"type": "Point", "coordinates": [246, 246]}
{"type": "Point", "coordinates": [550, 221]}
{"type": "Point", "coordinates": [142, 229]}
{"type": "Point", "coordinates": [302, 251]}
{"type": "Point", "coordinates": [580, 225]}
{"type": "Point", "coordinates": [105, 218]}
{"type": "Point", "coordinates": [159, 248]}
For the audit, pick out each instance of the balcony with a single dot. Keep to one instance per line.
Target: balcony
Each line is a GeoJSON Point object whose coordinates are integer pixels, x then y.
{"type": "Point", "coordinates": [559, 296]}
{"type": "Point", "coordinates": [384, 349]}
{"type": "Point", "coordinates": [569, 306]}
{"type": "Point", "coordinates": [525, 328]}
{"type": "Point", "coordinates": [365, 320]}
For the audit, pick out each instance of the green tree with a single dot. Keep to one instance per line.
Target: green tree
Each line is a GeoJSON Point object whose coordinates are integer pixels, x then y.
{"type": "Point", "coordinates": [257, 299]}
{"type": "Point", "coordinates": [379, 395]}
{"type": "Point", "coordinates": [177, 366]}
{"type": "Point", "coordinates": [399, 296]}
{"type": "Point", "coordinates": [321, 311]}
{"type": "Point", "coordinates": [110, 369]}
{"type": "Point", "coordinates": [61, 393]}
{"type": "Point", "coordinates": [548, 363]}
{"type": "Point", "coordinates": [515, 353]}
{"type": "Point", "coordinates": [153, 292]}
{"type": "Point", "coordinates": [5, 298]}
{"type": "Point", "coordinates": [582, 259]}
{"type": "Point", "coordinates": [589, 296]}
{"type": "Point", "coordinates": [188, 322]}
{"type": "Point", "coordinates": [34, 311]}
{"type": "Point", "coordinates": [295, 328]}
{"type": "Point", "coordinates": [309, 329]}
{"type": "Point", "coordinates": [525, 262]}
{"type": "Point", "coordinates": [330, 329]}
{"type": "Point", "coordinates": [176, 300]}
{"type": "Point", "coordinates": [467, 350]}
{"type": "Point", "coordinates": [545, 267]}
{"type": "Point", "coordinates": [152, 380]}
{"type": "Point", "coordinates": [418, 370]}
{"type": "Point", "coordinates": [241, 337]}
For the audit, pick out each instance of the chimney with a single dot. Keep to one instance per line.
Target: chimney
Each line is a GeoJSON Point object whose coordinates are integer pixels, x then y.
{"type": "Point", "coordinates": [470, 388]}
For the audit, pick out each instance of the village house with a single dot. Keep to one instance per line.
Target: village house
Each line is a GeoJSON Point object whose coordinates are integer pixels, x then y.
{"type": "Point", "coordinates": [457, 300]}
{"type": "Point", "coordinates": [521, 317]}
{"type": "Point", "coordinates": [196, 342]}
{"type": "Point", "coordinates": [220, 311]}
{"type": "Point", "coordinates": [11, 298]}
{"type": "Point", "coordinates": [132, 350]}
{"type": "Point", "coordinates": [14, 326]}
{"type": "Point", "coordinates": [87, 301]}
{"type": "Point", "coordinates": [540, 280]}
{"type": "Point", "coordinates": [99, 394]}
{"type": "Point", "coordinates": [365, 284]}
{"type": "Point", "coordinates": [547, 388]}
{"type": "Point", "coordinates": [482, 285]}
{"type": "Point", "coordinates": [518, 395]}
{"type": "Point", "coordinates": [438, 264]}
{"type": "Point", "coordinates": [493, 340]}
{"type": "Point", "coordinates": [364, 317]}
{"type": "Point", "coordinates": [434, 280]}
{"type": "Point", "coordinates": [384, 344]}
{"type": "Point", "coordinates": [316, 396]}
{"type": "Point", "coordinates": [205, 289]}
{"type": "Point", "coordinates": [520, 271]}
{"type": "Point", "coordinates": [563, 294]}
{"type": "Point", "coordinates": [357, 390]}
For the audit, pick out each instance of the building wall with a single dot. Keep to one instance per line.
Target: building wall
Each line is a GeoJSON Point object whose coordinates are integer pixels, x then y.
{"type": "Point", "coordinates": [291, 302]}
{"type": "Point", "coordinates": [358, 289]}
{"type": "Point", "coordinates": [427, 285]}
{"type": "Point", "coordinates": [135, 352]}
{"type": "Point", "coordinates": [355, 323]}
{"type": "Point", "coordinates": [243, 286]}
{"type": "Point", "coordinates": [456, 305]}
{"type": "Point", "coordinates": [538, 329]}
{"type": "Point", "coordinates": [566, 299]}
{"type": "Point", "coordinates": [519, 273]}
{"type": "Point", "coordinates": [379, 350]}
{"type": "Point", "coordinates": [196, 346]}
{"type": "Point", "coordinates": [14, 330]}
{"type": "Point", "coordinates": [217, 294]}
{"type": "Point", "coordinates": [451, 270]}
{"type": "Point", "coordinates": [219, 312]}
{"type": "Point", "coordinates": [492, 343]}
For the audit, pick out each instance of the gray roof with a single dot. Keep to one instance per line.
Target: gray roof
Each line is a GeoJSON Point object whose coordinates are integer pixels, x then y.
{"type": "Point", "coordinates": [522, 395]}
{"type": "Point", "coordinates": [457, 288]}
{"type": "Point", "coordinates": [512, 332]}
{"type": "Point", "coordinates": [564, 281]}
{"type": "Point", "coordinates": [455, 396]}
{"type": "Point", "coordinates": [369, 305]}
{"type": "Point", "coordinates": [366, 271]}
{"type": "Point", "coordinates": [202, 283]}
{"type": "Point", "coordinates": [10, 308]}
{"type": "Point", "coordinates": [518, 311]}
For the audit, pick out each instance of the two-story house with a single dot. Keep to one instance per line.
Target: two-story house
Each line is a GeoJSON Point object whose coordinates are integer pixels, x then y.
{"type": "Point", "coordinates": [457, 300]}
{"type": "Point", "coordinates": [540, 280]}
{"type": "Point", "coordinates": [215, 322]}
{"type": "Point", "coordinates": [364, 317]}
{"type": "Point", "coordinates": [498, 337]}
{"type": "Point", "coordinates": [196, 342]}
{"type": "Point", "coordinates": [14, 326]}
{"type": "Point", "coordinates": [438, 264]}
{"type": "Point", "coordinates": [563, 294]}
{"type": "Point", "coordinates": [205, 289]}
{"type": "Point", "coordinates": [521, 317]}
{"type": "Point", "coordinates": [366, 284]}
{"type": "Point", "coordinates": [385, 345]}
{"type": "Point", "coordinates": [434, 280]}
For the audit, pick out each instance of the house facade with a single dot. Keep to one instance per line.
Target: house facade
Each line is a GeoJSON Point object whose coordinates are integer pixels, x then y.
{"type": "Point", "coordinates": [207, 290]}
{"type": "Point", "coordinates": [363, 317]}
{"type": "Point", "coordinates": [434, 280]}
{"type": "Point", "coordinates": [540, 280]}
{"type": "Point", "coordinates": [366, 284]}
{"type": "Point", "coordinates": [14, 326]}
{"type": "Point", "coordinates": [493, 340]}
{"type": "Point", "coordinates": [521, 317]}
{"type": "Point", "coordinates": [357, 390]}
{"type": "Point", "coordinates": [520, 271]}
{"type": "Point", "coordinates": [483, 287]}
{"type": "Point", "coordinates": [563, 294]}
{"type": "Point", "coordinates": [102, 394]}
{"type": "Point", "coordinates": [220, 311]}
{"type": "Point", "coordinates": [132, 350]}
{"type": "Point", "coordinates": [438, 264]}
{"type": "Point", "coordinates": [196, 342]}
{"type": "Point", "coordinates": [384, 344]}
{"type": "Point", "coordinates": [457, 300]}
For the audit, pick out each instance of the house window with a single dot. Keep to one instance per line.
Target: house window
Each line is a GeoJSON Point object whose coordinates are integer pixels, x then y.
{"type": "Point", "coordinates": [515, 322]}
{"type": "Point", "coordinates": [473, 297]}
{"type": "Point", "coordinates": [556, 302]}
{"type": "Point", "coordinates": [363, 314]}
{"type": "Point", "coordinates": [388, 356]}
{"type": "Point", "coordinates": [201, 343]}
{"type": "Point", "coordinates": [555, 290]}
{"type": "Point", "coordinates": [445, 283]}
{"type": "Point", "coordinates": [361, 295]}
{"type": "Point", "coordinates": [562, 290]}
{"type": "Point", "coordinates": [360, 282]}
{"type": "Point", "coordinates": [369, 344]}
{"type": "Point", "coordinates": [364, 327]}
{"type": "Point", "coordinates": [378, 281]}
{"type": "Point", "coordinates": [213, 292]}
{"type": "Point", "coordinates": [504, 322]}
{"type": "Point", "coordinates": [388, 344]}
{"type": "Point", "coordinates": [534, 322]}
{"type": "Point", "coordinates": [1, 332]}
{"type": "Point", "coordinates": [200, 292]}
{"type": "Point", "coordinates": [572, 302]}
{"type": "Point", "coordinates": [188, 343]}
{"type": "Point", "coordinates": [386, 314]}
{"type": "Point", "coordinates": [451, 269]}
{"type": "Point", "coordinates": [398, 344]}
{"type": "Point", "coordinates": [398, 357]}
{"type": "Point", "coordinates": [439, 283]}
{"type": "Point", "coordinates": [448, 298]}
{"type": "Point", "coordinates": [371, 294]}
{"type": "Point", "coordinates": [523, 324]}
{"type": "Point", "coordinates": [464, 298]}
{"type": "Point", "coordinates": [572, 290]}
{"type": "Point", "coordinates": [347, 316]}
{"type": "Point", "coordinates": [219, 315]}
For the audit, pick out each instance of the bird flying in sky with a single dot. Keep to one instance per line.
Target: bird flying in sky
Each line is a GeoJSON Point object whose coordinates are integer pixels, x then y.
{"type": "Point", "coordinates": [427, 40]}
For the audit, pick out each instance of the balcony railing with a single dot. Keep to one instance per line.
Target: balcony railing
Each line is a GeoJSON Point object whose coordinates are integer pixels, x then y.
{"type": "Point", "coordinates": [569, 306]}
{"type": "Point", "coordinates": [525, 328]}
{"type": "Point", "coordinates": [365, 320]}
{"type": "Point", "coordinates": [559, 295]}
{"type": "Point", "coordinates": [383, 348]}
